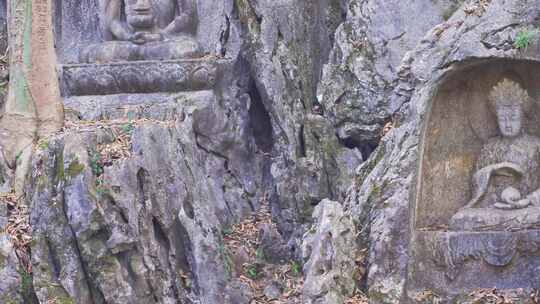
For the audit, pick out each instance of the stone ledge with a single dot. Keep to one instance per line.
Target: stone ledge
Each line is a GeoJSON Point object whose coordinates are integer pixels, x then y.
{"type": "Point", "coordinates": [461, 260]}
{"type": "Point", "coordinates": [140, 77]}
{"type": "Point", "coordinates": [491, 219]}
{"type": "Point", "coordinates": [157, 106]}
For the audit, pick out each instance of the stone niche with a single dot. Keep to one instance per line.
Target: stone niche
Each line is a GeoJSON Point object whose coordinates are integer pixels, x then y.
{"type": "Point", "coordinates": [476, 212]}
{"type": "Point", "coordinates": [127, 52]}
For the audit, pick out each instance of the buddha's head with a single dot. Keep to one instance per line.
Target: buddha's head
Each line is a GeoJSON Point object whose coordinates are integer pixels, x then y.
{"type": "Point", "coordinates": [508, 99]}
{"type": "Point", "coordinates": [140, 14]}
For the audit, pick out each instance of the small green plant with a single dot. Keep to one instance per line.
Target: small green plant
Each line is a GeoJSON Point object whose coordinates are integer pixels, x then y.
{"type": "Point", "coordinates": [128, 128]}
{"type": "Point", "coordinates": [227, 231]}
{"type": "Point", "coordinates": [101, 189]}
{"type": "Point", "coordinates": [227, 259]}
{"type": "Point", "coordinates": [296, 268]}
{"type": "Point", "coordinates": [259, 254]}
{"type": "Point", "coordinates": [43, 145]}
{"type": "Point", "coordinates": [524, 38]}
{"type": "Point", "coordinates": [95, 163]}
{"type": "Point", "coordinates": [11, 301]}
{"type": "Point", "coordinates": [252, 271]}
{"type": "Point", "coordinates": [65, 300]}
{"type": "Point", "coordinates": [75, 168]}
{"type": "Point", "coordinates": [18, 157]}
{"type": "Point", "coordinates": [27, 285]}
{"type": "Point", "coordinates": [130, 116]}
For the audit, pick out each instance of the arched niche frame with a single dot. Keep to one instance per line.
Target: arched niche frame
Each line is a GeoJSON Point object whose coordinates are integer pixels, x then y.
{"type": "Point", "coordinates": [458, 122]}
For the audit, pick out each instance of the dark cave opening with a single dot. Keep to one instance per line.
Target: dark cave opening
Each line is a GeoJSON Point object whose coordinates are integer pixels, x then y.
{"type": "Point", "coordinates": [365, 147]}
{"type": "Point", "coordinates": [302, 142]}
{"type": "Point", "coordinates": [260, 121]}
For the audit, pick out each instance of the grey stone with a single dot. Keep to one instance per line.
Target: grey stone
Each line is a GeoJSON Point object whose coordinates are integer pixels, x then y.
{"type": "Point", "coordinates": [499, 185]}
{"type": "Point", "coordinates": [270, 128]}
{"type": "Point", "coordinates": [273, 291]}
{"type": "Point", "coordinates": [80, 24]}
{"type": "Point", "coordinates": [484, 182]}
{"type": "Point", "coordinates": [3, 34]}
{"type": "Point", "coordinates": [287, 43]}
{"type": "Point", "coordinates": [10, 278]}
{"type": "Point", "coordinates": [505, 178]}
{"type": "Point", "coordinates": [490, 219]}
{"type": "Point", "coordinates": [10, 283]}
{"type": "Point", "coordinates": [11, 287]}
{"type": "Point", "coordinates": [140, 77]}
{"type": "Point", "coordinates": [454, 261]}
{"type": "Point", "coordinates": [119, 51]}
{"type": "Point", "coordinates": [360, 75]}
{"type": "Point", "coordinates": [329, 251]}
{"type": "Point", "coordinates": [500, 169]}
{"type": "Point", "coordinates": [273, 245]}
{"type": "Point", "coordinates": [6, 174]}
{"type": "Point", "coordinates": [3, 27]}
{"type": "Point", "coordinates": [420, 175]}
{"type": "Point", "coordinates": [148, 226]}
{"type": "Point", "coordinates": [144, 30]}
{"type": "Point", "coordinates": [158, 106]}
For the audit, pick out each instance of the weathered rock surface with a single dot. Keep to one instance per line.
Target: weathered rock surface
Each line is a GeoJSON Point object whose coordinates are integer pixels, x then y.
{"type": "Point", "coordinates": [133, 211]}
{"type": "Point", "coordinates": [146, 227]}
{"type": "Point", "coordinates": [273, 246]}
{"type": "Point", "coordinates": [159, 212]}
{"type": "Point", "coordinates": [362, 69]}
{"type": "Point", "coordinates": [286, 44]}
{"type": "Point", "coordinates": [273, 291]}
{"type": "Point", "coordinates": [329, 251]}
{"type": "Point", "coordinates": [384, 190]}
{"type": "Point", "coordinates": [10, 282]}
{"type": "Point", "coordinates": [10, 276]}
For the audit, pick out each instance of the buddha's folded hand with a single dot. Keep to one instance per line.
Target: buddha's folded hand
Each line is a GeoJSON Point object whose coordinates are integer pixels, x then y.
{"type": "Point", "coordinates": [144, 37]}
{"type": "Point", "coordinates": [510, 195]}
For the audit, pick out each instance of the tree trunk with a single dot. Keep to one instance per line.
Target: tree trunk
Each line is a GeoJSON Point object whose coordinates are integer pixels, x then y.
{"type": "Point", "coordinates": [33, 109]}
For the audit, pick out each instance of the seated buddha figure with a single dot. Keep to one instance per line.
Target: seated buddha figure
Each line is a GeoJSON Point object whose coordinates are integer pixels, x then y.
{"type": "Point", "coordinates": [506, 182]}
{"type": "Point", "coordinates": [144, 30]}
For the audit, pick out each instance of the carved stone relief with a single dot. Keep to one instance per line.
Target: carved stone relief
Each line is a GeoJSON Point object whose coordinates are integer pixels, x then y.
{"type": "Point", "coordinates": [144, 30]}
{"type": "Point", "coordinates": [145, 46]}
{"type": "Point", "coordinates": [453, 262]}
{"type": "Point", "coordinates": [506, 179]}
{"type": "Point", "coordinates": [477, 209]}
{"type": "Point", "coordinates": [139, 77]}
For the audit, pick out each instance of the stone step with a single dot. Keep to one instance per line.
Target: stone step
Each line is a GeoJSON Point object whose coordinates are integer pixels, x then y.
{"type": "Point", "coordinates": [157, 106]}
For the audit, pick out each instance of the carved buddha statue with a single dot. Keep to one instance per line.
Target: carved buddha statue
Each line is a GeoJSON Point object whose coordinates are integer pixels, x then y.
{"type": "Point", "coordinates": [145, 30]}
{"type": "Point", "coordinates": [506, 181]}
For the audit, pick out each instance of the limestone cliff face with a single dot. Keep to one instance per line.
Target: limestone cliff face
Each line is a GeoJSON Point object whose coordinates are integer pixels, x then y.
{"type": "Point", "coordinates": [479, 35]}
{"type": "Point", "coordinates": [315, 120]}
